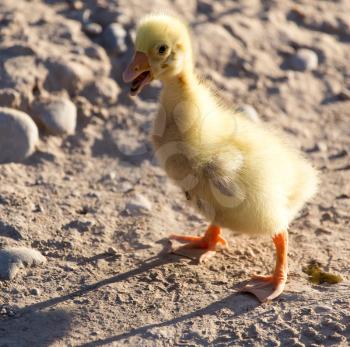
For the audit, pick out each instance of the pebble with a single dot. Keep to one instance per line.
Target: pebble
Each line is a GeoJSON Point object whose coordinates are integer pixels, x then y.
{"type": "Point", "coordinates": [6, 311]}
{"type": "Point", "coordinates": [322, 146]}
{"type": "Point", "coordinates": [35, 291]}
{"type": "Point", "coordinates": [125, 187]}
{"type": "Point", "coordinates": [114, 37]}
{"type": "Point", "coordinates": [9, 97]}
{"type": "Point", "coordinates": [58, 116]}
{"type": "Point", "coordinates": [344, 95]}
{"type": "Point", "coordinates": [138, 205]}
{"type": "Point", "coordinates": [18, 135]}
{"type": "Point", "coordinates": [102, 90]}
{"type": "Point", "coordinates": [76, 5]}
{"type": "Point", "coordinates": [92, 29]}
{"type": "Point", "coordinates": [14, 258]}
{"type": "Point", "coordinates": [66, 75]}
{"type": "Point", "coordinates": [304, 60]}
{"type": "Point", "coordinates": [250, 112]}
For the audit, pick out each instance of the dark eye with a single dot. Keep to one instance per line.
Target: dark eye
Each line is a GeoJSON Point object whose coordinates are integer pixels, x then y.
{"type": "Point", "coordinates": [162, 49]}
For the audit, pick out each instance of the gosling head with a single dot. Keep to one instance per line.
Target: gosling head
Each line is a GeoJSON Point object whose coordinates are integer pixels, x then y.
{"type": "Point", "coordinates": [163, 51]}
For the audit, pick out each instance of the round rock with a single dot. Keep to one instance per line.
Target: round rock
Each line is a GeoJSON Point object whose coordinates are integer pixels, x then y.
{"type": "Point", "coordinates": [59, 116]}
{"type": "Point", "coordinates": [304, 60]}
{"type": "Point", "coordinates": [66, 75]}
{"type": "Point", "coordinates": [138, 205]}
{"type": "Point", "coordinates": [35, 291]}
{"type": "Point", "coordinates": [14, 258]}
{"type": "Point", "coordinates": [92, 29]}
{"type": "Point", "coordinates": [114, 37]}
{"type": "Point", "coordinates": [9, 97]}
{"type": "Point", "coordinates": [18, 135]}
{"type": "Point", "coordinates": [103, 90]}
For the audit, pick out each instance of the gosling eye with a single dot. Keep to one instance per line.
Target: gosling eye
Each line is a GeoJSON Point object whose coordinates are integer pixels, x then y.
{"type": "Point", "coordinates": [162, 49]}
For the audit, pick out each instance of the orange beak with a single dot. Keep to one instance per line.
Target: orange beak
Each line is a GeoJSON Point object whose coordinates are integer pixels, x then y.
{"type": "Point", "coordinates": [138, 72]}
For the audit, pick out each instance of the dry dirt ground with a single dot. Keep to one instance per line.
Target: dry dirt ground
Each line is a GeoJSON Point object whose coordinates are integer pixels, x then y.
{"type": "Point", "coordinates": [68, 200]}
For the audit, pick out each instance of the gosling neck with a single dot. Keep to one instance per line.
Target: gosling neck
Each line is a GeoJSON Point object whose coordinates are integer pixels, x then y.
{"type": "Point", "coordinates": [178, 88]}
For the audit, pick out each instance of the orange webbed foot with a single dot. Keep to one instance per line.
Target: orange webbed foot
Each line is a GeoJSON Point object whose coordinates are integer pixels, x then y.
{"type": "Point", "coordinates": [267, 288]}
{"type": "Point", "coordinates": [207, 242]}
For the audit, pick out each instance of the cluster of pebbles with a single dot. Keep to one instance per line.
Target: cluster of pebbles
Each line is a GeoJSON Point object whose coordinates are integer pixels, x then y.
{"type": "Point", "coordinates": [56, 73]}
{"type": "Point", "coordinates": [60, 70]}
{"type": "Point", "coordinates": [50, 77]}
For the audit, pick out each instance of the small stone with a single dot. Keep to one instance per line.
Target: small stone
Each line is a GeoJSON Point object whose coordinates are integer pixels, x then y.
{"type": "Point", "coordinates": [76, 5]}
{"type": "Point", "coordinates": [86, 15]}
{"type": "Point", "coordinates": [18, 135]}
{"type": "Point", "coordinates": [114, 37]}
{"type": "Point", "coordinates": [35, 291]}
{"type": "Point", "coordinates": [80, 225]}
{"type": "Point", "coordinates": [10, 231]}
{"type": "Point", "coordinates": [323, 309]}
{"type": "Point", "coordinates": [138, 205]}
{"type": "Point", "coordinates": [322, 146]}
{"type": "Point", "coordinates": [344, 95]}
{"type": "Point", "coordinates": [112, 251]}
{"type": "Point", "coordinates": [9, 97]}
{"type": "Point", "coordinates": [249, 252]}
{"type": "Point", "coordinates": [66, 75]}
{"type": "Point", "coordinates": [14, 258]}
{"type": "Point", "coordinates": [59, 116]}
{"type": "Point", "coordinates": [37, 208]}
{"type": "Point", "coordinates": [11, 313]}
{"type": "Point", "coordinates": [125, 187]}
{"type": "Point", "coordinates": [304, 60]}
{"type": "Point", "coordinates": [112, 175]}
{"type": "Point", "coordinates": [250, 112]}
{"type": "Point", "coordinates": [103, 113]}
{"type": "Point", "coordinates": [92, 29]}
{"type": "Point", "coordinates": [102, 90]}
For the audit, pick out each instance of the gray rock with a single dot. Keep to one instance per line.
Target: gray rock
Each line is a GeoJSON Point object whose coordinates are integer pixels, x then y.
{"type": "Point", "coordinates": [92, 29]}
{"type": "Point", "coordinates": [10, 231]}
{"type": "Point", "coordinates": [59, 116]}
{"type": "Point", "coordinates": [304, 60]}
{"type": "Point", "coordinates": [114, 37]}
{"type": "Point", "coordinates": [250, 112]}
{"type": "Point", "coordinates": [9, 97]}
{"type": "Point", "coordinates": [18, 135]}
{"type": "Point", "coordinates": [68, 75]}
{"type": "Point", "coordinates": [14, 258]}
{"type": "Point", "coordinates": [35, 291]}
{"type": "Point", "coordinates": [138, 205]}
{"type": "Point", "coordinates": [125, 187]}
{"type": "Point", "coordinates": [105, 14]}
{"type": "Point", "coordinates": [103, 90]}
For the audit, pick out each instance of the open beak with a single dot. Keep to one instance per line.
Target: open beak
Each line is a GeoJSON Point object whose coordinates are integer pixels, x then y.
{"type": "Point", "coordinates": [138, 73]}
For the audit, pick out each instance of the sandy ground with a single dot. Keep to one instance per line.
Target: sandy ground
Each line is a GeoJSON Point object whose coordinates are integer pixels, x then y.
{"type": "Point", "coordinates": [68, 199]}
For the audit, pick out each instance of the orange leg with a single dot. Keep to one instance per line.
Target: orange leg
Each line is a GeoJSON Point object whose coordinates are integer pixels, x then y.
{"type": "Point", "coordinates": [267, 288]}
{"type": "Point", "coordinates": [208, 241]}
